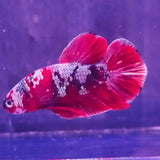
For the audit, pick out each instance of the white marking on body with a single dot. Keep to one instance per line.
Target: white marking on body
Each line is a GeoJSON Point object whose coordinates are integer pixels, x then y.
{"type": "Point", "coordinates": [82, 73]}
{"type": "Point", "coordinates": [48, 68]}
{"type": "Point", "coordinates": [65, 71]}
{"type": "Point", "coordinates": [17, 97]}
{"type": "Point", "coordinates": [119, 62]}
{"type": "Point", "coordinates": [61, 90]}
{"type": "Point", "coordinates": [83, 91]}
{"type": "Point", "coordinates": [26, 86]}
{"type": "Point", "coordinates": [37, 77]}
{"type": "Point", "coordinates": [99, 66]}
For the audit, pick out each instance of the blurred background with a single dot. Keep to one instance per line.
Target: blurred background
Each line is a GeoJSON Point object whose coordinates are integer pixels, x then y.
{"type": "Point", "coordinates": [33, 34]}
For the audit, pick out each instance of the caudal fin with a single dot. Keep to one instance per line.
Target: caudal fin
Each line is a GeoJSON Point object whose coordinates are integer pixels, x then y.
{"type": "Point", "coordinates": [126, 69]}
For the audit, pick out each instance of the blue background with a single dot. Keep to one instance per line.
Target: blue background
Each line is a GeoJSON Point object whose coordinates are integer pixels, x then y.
{"type": "Point", "coordinates": [33, 34]}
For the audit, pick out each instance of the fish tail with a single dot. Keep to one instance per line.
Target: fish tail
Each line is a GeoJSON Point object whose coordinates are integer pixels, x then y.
{"type": "Point", "coordinates": [126, 70]}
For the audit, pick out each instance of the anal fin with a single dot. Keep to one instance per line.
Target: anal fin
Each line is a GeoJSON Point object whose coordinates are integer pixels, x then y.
{"type": "Point", "coordinates": [67, 112]}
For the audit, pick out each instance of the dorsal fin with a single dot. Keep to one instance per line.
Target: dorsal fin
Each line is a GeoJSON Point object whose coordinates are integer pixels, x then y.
{"type": "Point", "coordinates": [86, 48]}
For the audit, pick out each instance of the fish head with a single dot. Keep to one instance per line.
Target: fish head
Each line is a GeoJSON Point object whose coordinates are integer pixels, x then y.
{"type": "Point", "coordinates": [16, 99]}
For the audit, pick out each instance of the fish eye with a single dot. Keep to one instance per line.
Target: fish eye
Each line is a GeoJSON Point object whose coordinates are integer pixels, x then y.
{"type": "Point", "coordinates": [9, 103]}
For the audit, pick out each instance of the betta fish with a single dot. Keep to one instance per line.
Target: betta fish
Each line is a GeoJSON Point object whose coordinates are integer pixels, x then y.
{"type": "Point", "coordinates": [90, 78]}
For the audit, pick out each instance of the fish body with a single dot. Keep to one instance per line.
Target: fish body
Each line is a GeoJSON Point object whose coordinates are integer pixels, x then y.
{"type": "Point", "coordinates": [90, 78]}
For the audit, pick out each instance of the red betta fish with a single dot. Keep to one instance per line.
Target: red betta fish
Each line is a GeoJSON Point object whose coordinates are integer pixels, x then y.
{"type": "Point", "coordinates": [90, 78]}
